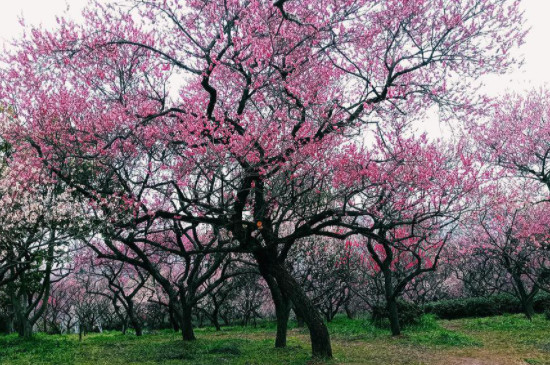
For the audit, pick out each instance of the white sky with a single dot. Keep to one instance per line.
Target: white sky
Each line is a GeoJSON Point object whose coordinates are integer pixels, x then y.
{"type": "Point", "coordinates": [534, 73]}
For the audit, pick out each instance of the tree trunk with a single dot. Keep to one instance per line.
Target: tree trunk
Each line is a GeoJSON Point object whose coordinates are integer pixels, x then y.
{"type": "Point", "coordinates": [201, 320]}
{"type": "Point", "coordinates": [187, 324]}
{"type": "Point", "coordinates": [528, 309]}
{"type": "Point", "coordinates": [349, 312]}
{"type": "Point", "coordinates": [136, 324]}
{"type": "Point", "coordinates": [282, 310]}
{"type": "Point", "coordinates": [215, 320]}
{"type": "Point", "coordinates": [69, 326]}
{"type": "Point", "coordinates": [225, 319]}
{"type": "Point", "coordinates": [393, 316]}
{"type": "Point", "coordinates": [22, 323]}
{"type": "Point", "coordinates": [282, 313]}
{"type": "Point", "coordinates": [391, 303]}
{"type": "Point", "coordinates": [24, 328]}
{"type": "Point", "coordinates": [525, 297]}
{"type": "Point", "coordinates": [11, 325]}
{"type": "Point", "coordinates": [320, 338]}
{"type": "Point", "coordinates": [173, 321]}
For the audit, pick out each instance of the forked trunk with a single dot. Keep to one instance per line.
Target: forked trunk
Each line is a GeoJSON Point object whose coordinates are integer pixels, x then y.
{"type": "Point", "coordinates": [320, 338]}
{"type": "Point", "coordinates": [22, 323]}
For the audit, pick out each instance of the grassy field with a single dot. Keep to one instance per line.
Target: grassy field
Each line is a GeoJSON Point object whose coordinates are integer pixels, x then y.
{"type": "Point", "coordinates": [481, 341]}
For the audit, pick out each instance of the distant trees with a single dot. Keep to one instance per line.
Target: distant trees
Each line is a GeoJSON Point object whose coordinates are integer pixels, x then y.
{"type": "Point", "coordinates": [508, 239]}
{"type": "Point", "coordinates": [408, 196]}
{"type": "Point", "coordinates": [317, 265]}
{"type": "Point", "coordinates": [504, 246]}
{"type": "Point", "coordinates": [515, 137]}
{"type": "Point", "coordinates": [37, 225]}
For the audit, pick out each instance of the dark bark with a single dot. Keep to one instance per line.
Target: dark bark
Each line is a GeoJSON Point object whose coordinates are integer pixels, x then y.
{"type": "Point", "coordinates": [214, 319]}
{"type": "Point", "coordinates": [391, 303]}
{"type": "Point", "coordinates": [187, 324]}
{"type": "Point", "coordinates": [528, 308]}
{"type": "Point", "coordinates": [282, 313]}
{"type": "Point", "coordinates": [526, 297]}
{"type": "Point", "coordinates": [393, 316]}
{"type": "Point", "coordinates": [299, 319]}
{"type": "Point", "coordinates": [173, 321]}
{"type": "Point", "coordinates": [320, 338]}
{"type": "Point", "coordinates": [29, 307]}
{"type": "Point", "coordinates": [23, 325]}
{"type": "Point", "coordinates": [136, 324]}
{"type": "Point", "coordinates": [282, 310]}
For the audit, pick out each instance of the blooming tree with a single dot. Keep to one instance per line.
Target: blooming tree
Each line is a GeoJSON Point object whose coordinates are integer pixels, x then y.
{"type": "Point", "coordinates": [509, 235]}
{"type": "Point", "coordinates": [516, 135]}
{"type": "Point", "coordinates": [122, 284]}
{"type": "Point", "coordinates": [407, 195]}
{"type": "Point", "coordinates": [37, 223]}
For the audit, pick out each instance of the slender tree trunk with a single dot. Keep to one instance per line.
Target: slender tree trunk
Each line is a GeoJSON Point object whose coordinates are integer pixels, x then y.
{"type": "Point", "coordinates": [393, 316]}
{"type": "Point", "coordinates": [11, 326]}
{"type": "Point", "coordinates": [215, 320]}
{"type": "Point", "coordinates": [282, 310]}
{"type": "Point", "coordinates": [138, 329]}
{"type": "Point", "coordinates": [136, 324]}
{"type": "Point", "coordinates": [391, 304]}
{"type": "Point", "coordinates": [320, 338]}
{"type": "Point", "coordinates": [201, 320]}
{"type": "Point", "coordinates": [69, 325]}
{"type": "Point", "coordinates": [525, 298]}
{"type": "Point", "coordinates": [528, 309]}
{"type": "Point", "coordinates": [173, 320]}
{"type": "Point", "coordinates": [225, 319]}
{"type": "Point", "coordinates": [349, 312]}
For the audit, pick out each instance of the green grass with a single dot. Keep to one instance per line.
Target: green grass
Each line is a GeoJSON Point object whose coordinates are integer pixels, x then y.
{"type": "Point", "coordinates": [355, 341]}
{"type": "Point", "coordinates": [506, 322]}
{"type": "Point", "coordinates": [163, 347]}
{"type": "Point", "coordinates": [430, 333]}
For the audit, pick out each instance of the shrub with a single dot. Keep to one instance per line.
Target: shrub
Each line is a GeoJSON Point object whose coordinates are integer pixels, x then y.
{"type": "Point", "coordinates": [483, 306]}
{"type": "Point", "coordinates": [542, 303]}
{"type": "Point", "coordinates": [547, 314]}
{"type": "Point", "coordinates": [409, 313]}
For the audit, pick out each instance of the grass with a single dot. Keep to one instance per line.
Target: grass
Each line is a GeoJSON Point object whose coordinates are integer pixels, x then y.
{"type": "Point", "coordinates": [496, 340]}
